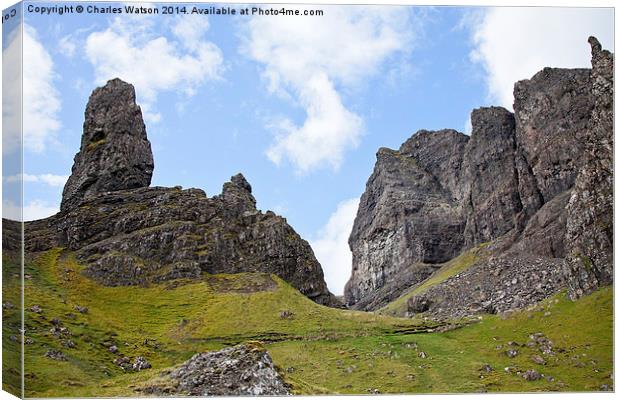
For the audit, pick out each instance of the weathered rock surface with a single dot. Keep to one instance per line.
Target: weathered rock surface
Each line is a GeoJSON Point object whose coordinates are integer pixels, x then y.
{"type": "Point", "coordinates": [490, 182]}
{"type": "Point", "coordinates": [244, 370]}
{"type": "Point", "coordinates": [589, 230]}
{"type": "Point", "coordinates": [115, 153]}
{"type": "Point", "coordinates": [127, 233]}
{"type": "Point", "coordinates": [493, 286]}
{"type": "Point", "coordinates": [407, 215]}
{"type": "Point", "coordinates": [552, 109]}
{"type": "Point", "coordinates": [536, 183]}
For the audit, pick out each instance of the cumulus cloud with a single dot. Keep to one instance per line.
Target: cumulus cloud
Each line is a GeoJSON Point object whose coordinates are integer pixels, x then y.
{"type": "Point", "coordinates": [328, 130]}
{"type": "Point", "coordinates": [11, 96]}
{"type": "Point", "coordinates": [331, 246]}
{"type": "Point", "coordinates": [33, 210]}
{"type": "Point", "coordinates": [130, 48]}
{"type": "Point", "coordinates": [67, 46]}
{"type": "Point", "coordinates": [46, 179]}
{"type": "Point", "coordinates": [515, 43]}
{"type": "Point", "coordinates": [41, 102]}
{"type": "Point", "coordinates": [310, 61]}
{"type": "Point", "coordinates": [41, 99]}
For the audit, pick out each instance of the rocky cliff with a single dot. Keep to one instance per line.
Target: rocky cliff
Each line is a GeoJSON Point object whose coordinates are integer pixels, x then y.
{"type": "Point", "coordinates": [536, 183]}
{"type": "Point", "coordinates": [127, 233]}
{"type": "Point", "coordinates": [589, 226]}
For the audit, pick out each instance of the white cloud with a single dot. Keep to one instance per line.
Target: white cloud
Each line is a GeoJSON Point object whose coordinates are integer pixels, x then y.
{"type": "Point", "coordinates": [328, 130]}
{"type": "Point", "coordinates": [515, 43]}
{"type": "Point", "coordinates": [11, 81]}
{"type": "Point", "coordinates": [331, 246]}
{"type": "Point", "coordinates": [41, 99]}
{"type": "Point", "coordinates": [130, 49]}
{"type": "Point", "coordinates": [41, 102]}
{"type": "Point", "coordinates": [36, 209]}
{"type": "Point", "coordinates": [46, 179]}
{"type": "Point", "coordinates": [67, 46]}
{"type": "Point", "coordinates": [467, 126]}
{"type": "Point", "coordinates": [309, 60]}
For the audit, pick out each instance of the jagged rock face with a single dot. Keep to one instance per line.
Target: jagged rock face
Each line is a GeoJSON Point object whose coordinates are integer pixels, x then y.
{"type": "Point", "coordinates": [490, 181]}
{"type": "Point", "coordinates": [440, 193]}
{"type": "Point", "coordinates": [407, 216]}
{"type": "Point", "coordinates": [244, 370]}
{"type": "Point", "coordinates": [509, 183]}
{"type": "Point", "coordinates": [151, 235]}
{"type": "Point", "coordinates": [544, 232]}
{"type": "Point", "coordinates": [589, 230]}
{"type": "Point", "coordinates": [11, 235]}
{"type": "Point", "coordinates": [115, 153]}
{"type": "Point", "coordinates": [440, 152]}
{"type": "Point", "coordinates": [127, 233]}
{"type": "Point", "coordinates": [551, 110]}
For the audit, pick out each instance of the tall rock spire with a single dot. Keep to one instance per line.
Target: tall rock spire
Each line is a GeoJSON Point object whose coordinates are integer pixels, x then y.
{"type": "Point", "coordinates": [115, 153]}
{"type": "Point", "coordinates": [590, 224]}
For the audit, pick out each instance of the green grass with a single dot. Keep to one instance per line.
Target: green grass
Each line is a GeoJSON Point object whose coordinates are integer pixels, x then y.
{"type": "Point", "coordinates": [449, 269]}
{"type": "Point", "coordinates": [11, 322]}
{"type": "Point", "coordinates": [93, 145]}
{"type": "Point", "coordinates": [165, 323]}
{"type": "Point", "coordinates": [318, 350]}
{"type": "Point", "coordinates": [391, 363]}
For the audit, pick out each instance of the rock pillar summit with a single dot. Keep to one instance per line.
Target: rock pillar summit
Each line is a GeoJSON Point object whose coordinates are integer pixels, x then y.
{"type": "Point", "coordinates": [115, 153]}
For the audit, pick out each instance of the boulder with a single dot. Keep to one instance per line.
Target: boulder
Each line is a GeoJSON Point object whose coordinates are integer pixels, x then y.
{"type": "Point", "coordinates": [243, 370]}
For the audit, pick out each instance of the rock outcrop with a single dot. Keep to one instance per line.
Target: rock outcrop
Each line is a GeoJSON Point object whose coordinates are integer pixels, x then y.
{"type": "Point", "coordinates": [589, 227]}
{"type": "Point", "coordinates": [407, 216]}
{"type": "Point", "coordinates": [537, 183]}
{"type": "Point", "coordinates": [490, 178]}
{"type": "Point", "coordinates": [243, 370]}
{"type": "Point", "coordinates": [127, 233]}
{"type": "Point", "coordinates": [115, 153]}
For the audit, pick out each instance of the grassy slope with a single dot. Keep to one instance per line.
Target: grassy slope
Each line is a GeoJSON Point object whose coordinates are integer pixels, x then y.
{"type": "Point", "coordinates": [449, 269]}
{"type": "Point", "coordinates": [11, 323]}
{"type": "Point", "coordinates": [390, 363]}
{"type": "Point", "coordinates": [176, 323]}
{"type": "Point", "coordinates": [318, 350]}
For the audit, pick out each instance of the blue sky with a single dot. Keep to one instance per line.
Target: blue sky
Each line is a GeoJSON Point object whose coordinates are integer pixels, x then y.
{"type": "Point", "coordinates": [299, 105]}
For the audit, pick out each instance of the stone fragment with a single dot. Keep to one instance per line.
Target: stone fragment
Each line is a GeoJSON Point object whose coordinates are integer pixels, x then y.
{"type": "Point", "coordinates": [140, 363]}
{"type": "Point", "coordinates": [55, 355]}
{"type": "Point", "coordinates": [511, 353]}
{"type": "Point", "coordinates": [531, 375]}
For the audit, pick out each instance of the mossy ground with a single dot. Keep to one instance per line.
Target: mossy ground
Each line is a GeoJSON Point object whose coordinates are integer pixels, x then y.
{"type": "Point", "coordinates": [318, 349]}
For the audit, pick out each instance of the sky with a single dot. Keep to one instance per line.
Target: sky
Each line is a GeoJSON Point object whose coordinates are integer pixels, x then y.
{"type": "Point", "coordinates": [298, 104]}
